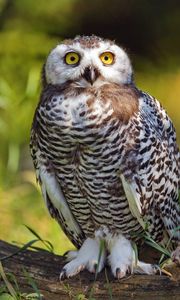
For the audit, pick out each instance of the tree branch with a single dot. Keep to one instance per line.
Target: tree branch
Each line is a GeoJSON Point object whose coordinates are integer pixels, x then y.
{"type": "Point", "coordinates": [44, 268]}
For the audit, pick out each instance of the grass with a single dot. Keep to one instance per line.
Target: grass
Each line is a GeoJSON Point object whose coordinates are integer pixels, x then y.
{"type": "Point", "coordinates": [30, 244]}
{"type": "Point", "coordinates": [12, 291]}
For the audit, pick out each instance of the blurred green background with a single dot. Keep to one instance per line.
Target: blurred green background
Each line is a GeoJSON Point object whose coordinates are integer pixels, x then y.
{"type": "Point", "coordinates": [149, 30]}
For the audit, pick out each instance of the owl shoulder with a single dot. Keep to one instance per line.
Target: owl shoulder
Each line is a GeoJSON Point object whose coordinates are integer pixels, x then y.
{"type": "Point", "coordinates": [154, 116]}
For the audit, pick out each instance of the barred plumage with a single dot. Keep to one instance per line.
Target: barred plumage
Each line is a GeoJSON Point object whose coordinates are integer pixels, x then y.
{"type": "Point", "coordinates": [105, 154]}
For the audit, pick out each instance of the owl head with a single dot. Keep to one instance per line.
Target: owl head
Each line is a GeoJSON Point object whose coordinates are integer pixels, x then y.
{"type": "Point", "coordinates": [88, 61]}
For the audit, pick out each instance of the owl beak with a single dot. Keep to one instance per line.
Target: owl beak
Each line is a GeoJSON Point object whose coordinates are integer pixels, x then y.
{"type": "Point", "coordinates": [91, 74]}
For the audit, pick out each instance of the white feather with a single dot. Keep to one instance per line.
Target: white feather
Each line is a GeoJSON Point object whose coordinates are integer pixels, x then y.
{"type": "Point", "coordinates": [133, 200]}
{"type": "Point", "coordinates": [58, 72]}
{"type": "Point", "coordinates": [54, 192]}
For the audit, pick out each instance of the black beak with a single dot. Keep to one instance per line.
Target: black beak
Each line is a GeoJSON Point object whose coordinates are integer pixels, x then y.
{"type": "Point", "coordinates": [91, 74]}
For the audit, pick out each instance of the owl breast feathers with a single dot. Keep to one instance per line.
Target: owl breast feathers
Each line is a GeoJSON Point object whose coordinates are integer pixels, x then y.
{"type": "Point", "coordinates": [105, 155]}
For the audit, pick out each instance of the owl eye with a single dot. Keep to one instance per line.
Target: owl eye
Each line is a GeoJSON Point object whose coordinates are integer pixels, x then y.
{"type": "Point", "coordinates": [72, 58]}
{"type": "Point", "coordinates": [107, 58]}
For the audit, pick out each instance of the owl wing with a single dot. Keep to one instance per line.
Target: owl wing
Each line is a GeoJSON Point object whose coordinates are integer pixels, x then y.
{"type": "Point", "coordinates": [52, 192]}
{"type": "Point", "coordinates": [133, 199]}
{"type": "Point", "coordinates": [152, 189]}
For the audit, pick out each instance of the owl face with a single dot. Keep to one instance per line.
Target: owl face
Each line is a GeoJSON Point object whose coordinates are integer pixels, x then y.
{"type": "Point", "coordinates": [88, 61]}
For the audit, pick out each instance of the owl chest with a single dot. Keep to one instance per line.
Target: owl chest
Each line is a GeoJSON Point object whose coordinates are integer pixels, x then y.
{"type": "Point", "coordinates": [86, 160]}
{"type": "Point", "coordinates": [79, 133]}
{"type": "Point", "coordinates": [86, 153]}
{"type": "Point", "coordinates": [85, 163]}
{"type": "Point", "coordinates": [83, 143]}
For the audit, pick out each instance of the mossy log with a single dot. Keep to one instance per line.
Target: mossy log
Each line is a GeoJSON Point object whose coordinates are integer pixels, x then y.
{"type": "Point", "coordinates": [44, 268]}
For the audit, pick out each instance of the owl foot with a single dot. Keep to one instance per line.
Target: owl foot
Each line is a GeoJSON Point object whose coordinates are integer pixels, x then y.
{"type": "Point", "coordinates": [176, 255]}
{"type": "Point", "coordinates": [145, 268]}
{"type": "Point", "coordinates": [87, 257]}
{"type": "Point", "coordinates": [122, 259]}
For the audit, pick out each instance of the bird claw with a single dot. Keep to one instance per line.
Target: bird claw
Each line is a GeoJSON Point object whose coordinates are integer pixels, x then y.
{"type": "Point", "coordinates": [80, 268]}
{"type": "Point", "coordinates": [157, 269]}
{"type": "Point", "coordinates": [63, 275]}
{"type": "Point", "coordinates": [129, 270]}
{"type": "Point", "coordinates": [95, 267]}
{"type": "Point", "coordinates": [120, 274]}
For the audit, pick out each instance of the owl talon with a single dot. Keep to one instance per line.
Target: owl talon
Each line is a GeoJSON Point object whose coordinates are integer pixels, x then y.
{"type": "Point", "coordinates": [80, 268]}
{"type": "Point", "coordinates": [95, 267]}
{"type": "Point", "coordinates": [118, 272]}
{"type": "Point", "coordinates": [86, 257]}
{"type": "Point", "coordinates": [157, 269]}
{"type": "Point", "coordinates": [63, 275]}
{"type": "Point", "coordinates": [129, 270]}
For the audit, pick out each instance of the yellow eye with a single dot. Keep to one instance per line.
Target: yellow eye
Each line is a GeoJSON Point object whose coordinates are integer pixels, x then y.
{"type": "Point", "coordinates": [72, 58]}
{"type": "Point", "coordinates": [107, 58]}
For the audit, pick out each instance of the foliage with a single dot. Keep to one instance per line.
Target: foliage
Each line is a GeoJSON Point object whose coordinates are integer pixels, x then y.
{"type": "Point", "coordinates": [12, 291]}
